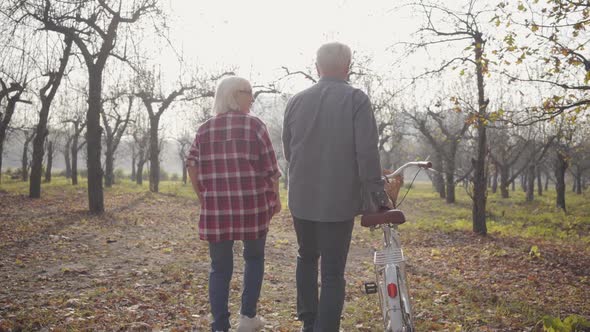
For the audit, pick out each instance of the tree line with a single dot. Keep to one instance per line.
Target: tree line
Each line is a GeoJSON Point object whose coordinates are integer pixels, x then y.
{"type": "Point", "coordinates": [503, 101]}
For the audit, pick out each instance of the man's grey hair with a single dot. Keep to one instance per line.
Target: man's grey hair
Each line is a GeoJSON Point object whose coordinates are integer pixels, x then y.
{"type": "Point", "coordinates": [333, 57]}
{"type": "Point", "coordinates": [226, 93]}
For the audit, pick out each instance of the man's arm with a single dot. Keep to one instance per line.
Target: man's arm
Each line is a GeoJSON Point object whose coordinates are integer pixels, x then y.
{"type": "Point", "coordinates": [193, 173]}
{"type": "Point", "coordinates": [367, 155]}
{"type": "Point", "coordinates": [287, 133]}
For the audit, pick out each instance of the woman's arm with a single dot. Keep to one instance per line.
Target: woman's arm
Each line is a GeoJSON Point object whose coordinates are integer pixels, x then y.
{"type": "Point", "coordinates": [193, 173]}
{"type": "Point", "coordinates": [275, 181]}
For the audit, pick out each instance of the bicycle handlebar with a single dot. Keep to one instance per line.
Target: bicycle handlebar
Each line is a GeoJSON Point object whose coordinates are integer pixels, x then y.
{"type": "Point", "coordinates": [421, 164]}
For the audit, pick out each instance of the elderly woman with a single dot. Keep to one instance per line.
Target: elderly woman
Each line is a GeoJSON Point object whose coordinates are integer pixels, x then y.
{"type": "Point", "coordinates": [233, 170]}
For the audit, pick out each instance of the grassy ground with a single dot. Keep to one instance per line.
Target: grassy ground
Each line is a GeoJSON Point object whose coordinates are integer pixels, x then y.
{"type": "Point", "coordinates": [140, 266]}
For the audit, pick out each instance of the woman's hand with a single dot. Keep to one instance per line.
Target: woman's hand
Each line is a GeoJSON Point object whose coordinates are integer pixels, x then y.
{"type": "Point", "coordinates": [275, 185]}
{"type": "Point", "coordinates": [278, 207]}
{"type": "Point", "coordinates": [193, 174]}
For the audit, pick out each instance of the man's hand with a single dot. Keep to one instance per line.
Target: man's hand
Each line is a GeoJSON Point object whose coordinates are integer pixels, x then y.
{"type": "Point", "coordinates": [393, 187]}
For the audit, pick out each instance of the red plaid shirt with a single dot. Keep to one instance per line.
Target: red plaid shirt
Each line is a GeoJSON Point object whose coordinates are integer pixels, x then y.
{"type": "Point", "coordinates": [236, 162]}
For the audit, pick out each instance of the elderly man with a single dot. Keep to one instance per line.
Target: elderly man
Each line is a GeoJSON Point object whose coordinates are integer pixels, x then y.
{"type": "Point", "coordinates": [330, 141]}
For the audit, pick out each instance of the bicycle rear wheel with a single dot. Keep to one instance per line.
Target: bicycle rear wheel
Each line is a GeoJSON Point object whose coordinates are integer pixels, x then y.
{"type": "Point", "coordinates": [404, 294]}
{"type": "Point", "coordinates": [395, 299]}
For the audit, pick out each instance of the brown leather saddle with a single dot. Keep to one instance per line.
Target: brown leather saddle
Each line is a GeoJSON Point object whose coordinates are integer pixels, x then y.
{"type": "Point", "coordinates": [393, 216]}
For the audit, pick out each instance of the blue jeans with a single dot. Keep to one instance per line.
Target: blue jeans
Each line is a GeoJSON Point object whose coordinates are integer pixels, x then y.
{"type": "Point", "coordinates": [331, 241]}
{"type": "Point", "coordinates": [222, 266]}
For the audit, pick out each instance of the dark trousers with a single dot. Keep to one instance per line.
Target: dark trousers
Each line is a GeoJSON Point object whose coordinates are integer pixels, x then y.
{"type": "Point", "coordinates": [330, 241]}
{"type": "Point", "coordinates": [222, 265]}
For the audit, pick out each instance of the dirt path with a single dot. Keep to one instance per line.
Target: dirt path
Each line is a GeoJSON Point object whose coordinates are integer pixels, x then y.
{"type": "Point", "coordinates": [141, 267]}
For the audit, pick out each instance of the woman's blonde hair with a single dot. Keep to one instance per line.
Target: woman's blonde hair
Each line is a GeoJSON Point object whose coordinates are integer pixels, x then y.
{"type": "Point", "coordinates": [226, 93]}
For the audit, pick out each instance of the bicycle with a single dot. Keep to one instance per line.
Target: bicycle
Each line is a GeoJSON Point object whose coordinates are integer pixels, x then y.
{"type": "Point", "coordinates": [390, 273]}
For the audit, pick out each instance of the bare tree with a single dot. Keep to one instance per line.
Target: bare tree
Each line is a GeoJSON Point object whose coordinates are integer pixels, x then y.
{"type": "Point", "coordinates": [78, 126]}
{"type": "Point", "coordinates": [28, 136]}
{"type": "Point", "coordinates": [51, 143]}
{"type": "Point", "coordinates": [114, 130]}
{"type": "Point", "coordinates": [184, 142]}
{"type": "Point", "coordinates": [156, 102]}
{"type": "Point", "coordinates": [13, 95]}
{"type": "Point", "coordinates": [46, 94]}
{"type": "Point", "coordinates": [66, 153]}
{"type": "Point", "coordinates": [506, 148]}
{"type": "Point", "coordinates": [580, 165]}
{"type": "Point", "coordinates": [517, 150]}
{"type": "Point", "coordinates": [568, 139]}
{"type": "Point", "coordinates": [444, 131]}
{"type": "Point", "coordinates": [132, 149]}
{"type": "Point", "coordinates": [463, 26]}
{"type": "Point", "coordinates": [141, 140]}
{"type": "Point", "coordinates": [94, 29]}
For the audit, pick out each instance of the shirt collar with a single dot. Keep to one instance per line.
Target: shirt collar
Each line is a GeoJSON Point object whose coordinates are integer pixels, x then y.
{"type": "Point", "coordinates": [230, 113]}
{"type": "Point", "coordinates": [332, 79]}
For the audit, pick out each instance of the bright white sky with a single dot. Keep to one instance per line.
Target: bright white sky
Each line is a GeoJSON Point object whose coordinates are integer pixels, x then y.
{"type": "Point", "coordinates": [260, 36]}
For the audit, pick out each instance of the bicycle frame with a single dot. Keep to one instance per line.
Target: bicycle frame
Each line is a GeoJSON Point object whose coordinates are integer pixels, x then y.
{"type": "Point", "coordinates": [390, 274]}
{"type": "Point", "coordinates": [420, 164]}
{"type": "Point", "coordinates": [391, 280]}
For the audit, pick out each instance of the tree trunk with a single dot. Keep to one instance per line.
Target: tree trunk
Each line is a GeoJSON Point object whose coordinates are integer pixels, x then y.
{"type": "Point", "coordinates": [154, 154]}
{"type": "Point", "coordinates": [8, 111]}
{"type": "Point", "coordinates": [495, 180]}
{"type": "Point", "coordinates": [184, 174]}
{"type": "Point", "coordinates": [1, 153]}
{"type": "Point", "coordinates": [74, 152]}
{"type": "Point", "coordinates": [133, 172]}
{"type": "Point", "coordinates": [523, 178]}
{"type": "Point", "coordinates": [539, 182]}
{"type": "Point", "coordinates": [93, 140]}
{"type": "Point", "coordinates": [450, 189]}
{"type": "Point", "coordinates": [25, 159]}
{"type": "Point", "coordinates": [547, 182]}
{"type": "Point", "coordinates": [530, 188]}
{"type": "Point", "coordinates": [437, 178]}
{"type": "Point", "coordinates": [109, 175]}
{"type": "Point", "coordinates": [450, 183]}
{"type": "Point", "coordinates": [38, 151]}
{"type": "Point", "coordinates": [560, 168]}
{"type": "Point", "coordinates": [574, 183]}
{"type": "Point", "coordinates": [24, 174]}
{"type": "Point", "coordinates": [68, 162]}
{"type": "Point", "coordinates": [49, 162]}
{"type": "Point", "coordinates": [504, 177]}
{"type": "Point", "coordinates": [139, 174]}
{"type": "Point", "coordinates": [479, 185]}
{"type": "Point", "coordinates": [578, 182]}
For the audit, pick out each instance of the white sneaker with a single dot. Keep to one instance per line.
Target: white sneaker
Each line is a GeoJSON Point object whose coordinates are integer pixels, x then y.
{"type": "Point", "coordinates": [248, 324]}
